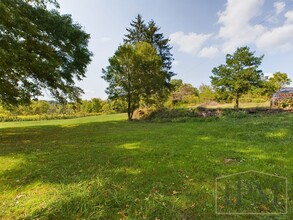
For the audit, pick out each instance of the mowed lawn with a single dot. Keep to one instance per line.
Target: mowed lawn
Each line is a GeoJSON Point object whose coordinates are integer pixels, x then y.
{"type": "Point", "coordinates": [105, 167]}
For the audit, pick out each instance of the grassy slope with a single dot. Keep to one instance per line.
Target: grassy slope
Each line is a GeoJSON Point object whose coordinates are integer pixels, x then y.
{"type": "Point", "coordinates": [107, 167]}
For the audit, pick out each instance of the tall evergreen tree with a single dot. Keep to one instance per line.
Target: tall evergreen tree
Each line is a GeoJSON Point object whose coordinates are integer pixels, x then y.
{"type": "Point", "coordinates": [140, 31]}
{"type": "Point", "coordinates": [137, 31]}
{"type": "Point", "coordinates": [162, 45]}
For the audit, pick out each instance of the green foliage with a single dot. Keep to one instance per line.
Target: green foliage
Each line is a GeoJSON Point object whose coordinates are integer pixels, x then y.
{"type": "Point", "coordinates": [93, 106]}
{"type": "Point", "coordinates": [184, 90]}
{"type": "Point", "coordinates": [43, 3]}
{"type": "Point", "coordinates": [176, 84]}
{"type": "Point", "coordinates": [170, 115]}
{"type": "Point", "coordinates": [45, 110]}
{"type": "Point", "coordinates": [42, 117]}
{"type": "Point", "coordinates": [231, 113]}
{"type": "Point", "coordinates": [108, 108]}
{"type": "Point", "coordinates": [275, 83]}
{"type": "Point", "coordinates": [134, 74]}
{"type": "Point", "coordinates": [183, 93]}
{"type": "Point", "coordinates": [206, 93]}
{"type": "Point", "coordinates": [39, 49]}
{"type": "Point", "coordinates": [119, 106]}
{"type": "Point", "coordinates": [141, 32]}
{"type": "Point", "coordinates": [238, 75]}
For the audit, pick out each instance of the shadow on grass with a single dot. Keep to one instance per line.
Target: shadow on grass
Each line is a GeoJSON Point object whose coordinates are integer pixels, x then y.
{"type": "Point", "coordinates": [112, 170]}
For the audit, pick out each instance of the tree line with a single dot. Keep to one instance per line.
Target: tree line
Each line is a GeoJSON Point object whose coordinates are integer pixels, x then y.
{"type": "Point", "coordinates": [42, 49]}
{"type": "Point", "coordinates": [44, 107]}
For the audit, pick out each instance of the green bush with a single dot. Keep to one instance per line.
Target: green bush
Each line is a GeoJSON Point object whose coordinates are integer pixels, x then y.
{"type": "Point", "coordinates": [171, 114]}
{"type": "Point", "coordinates": [232, 113]}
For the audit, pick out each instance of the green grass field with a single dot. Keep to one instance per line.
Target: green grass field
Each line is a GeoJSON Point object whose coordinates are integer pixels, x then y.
{"type": "Point", "coordinates": [105, 167]}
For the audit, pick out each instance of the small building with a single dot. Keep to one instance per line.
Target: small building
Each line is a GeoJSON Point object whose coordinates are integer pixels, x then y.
{"type": "Point", "coordinates": [281, 96]}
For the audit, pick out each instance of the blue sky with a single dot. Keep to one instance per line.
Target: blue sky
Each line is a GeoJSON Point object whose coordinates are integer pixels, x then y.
{"type": "Point", "coordinates": [202, 32]}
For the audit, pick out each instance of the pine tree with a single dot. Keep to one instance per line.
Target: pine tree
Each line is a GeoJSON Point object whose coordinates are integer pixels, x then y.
{"type": "Point", "coordinates": [149, 33]}
{"type": "Point", "coordinates": [137, 31]}
{"type": "Point", "coordinates": [158, 41]}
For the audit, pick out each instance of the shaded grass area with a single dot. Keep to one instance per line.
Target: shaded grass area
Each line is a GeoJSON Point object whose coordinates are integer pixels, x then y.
{"type": "Point", "coordinates": [105, 167]}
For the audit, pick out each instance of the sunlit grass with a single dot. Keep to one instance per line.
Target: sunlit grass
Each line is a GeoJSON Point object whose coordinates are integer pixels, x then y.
{"type": "Point", "coordinates": [65, 122]}
{"type": "Point", "coordinates": [105, 167]}
{"type": "Point", "coordinates": [241, 105]}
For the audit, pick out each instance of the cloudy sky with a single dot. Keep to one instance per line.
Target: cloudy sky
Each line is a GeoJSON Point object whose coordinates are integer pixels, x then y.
{"type": "Point", "coordinates": [202, 32]}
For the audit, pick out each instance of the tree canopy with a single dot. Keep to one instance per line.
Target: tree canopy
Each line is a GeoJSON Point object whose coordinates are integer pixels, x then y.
{"type": "Point", "coordinates": [43, 3]}
{"type": "Point", "coordinates": [40, 49]}
{"type": "Point", "coordinates": [238, 75]}
{"type": "Point", "coordinates": [274, 83]}
{"type": "Point", "coordinates": [142, 32]}
{"type": "Point", "coordinates": [134, 74]}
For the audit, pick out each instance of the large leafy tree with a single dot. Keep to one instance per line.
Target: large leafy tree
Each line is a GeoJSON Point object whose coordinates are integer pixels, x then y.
{"type": "Point", "coordinates": [40, 49]}
{"type": "Point", "coordinates": [134, 74]}
{"type": "Point", "coordinates": [238, 75]}
{"type": "Point", "coordinates": [150, 33]}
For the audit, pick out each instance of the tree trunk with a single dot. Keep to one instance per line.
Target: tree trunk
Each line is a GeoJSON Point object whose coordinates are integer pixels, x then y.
{"type": "Point", "coordinates": [129, 110]}
{"type": "Point", "coordinates": [236, 106]}
{"type": "Point", "coordinates": [129, 116]}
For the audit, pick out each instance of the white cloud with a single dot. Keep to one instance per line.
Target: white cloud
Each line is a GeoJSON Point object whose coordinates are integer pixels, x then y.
{"type": "Point", "coordinates": [279, 7]}
{"type": "Point", "coordinates": [289, 16]}
{"type": "Point", "coordinates": [189, 43]}
{"type": "Point", "coordinates": [235, 28]}
{"type": "Point", "coordinates": [276, 40]}
{"type": "Point", "coordinates": [209, 52]}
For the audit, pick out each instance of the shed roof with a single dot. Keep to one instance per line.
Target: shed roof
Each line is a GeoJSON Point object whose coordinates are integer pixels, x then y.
{"type": "Point", "coordinates": [284, 93]}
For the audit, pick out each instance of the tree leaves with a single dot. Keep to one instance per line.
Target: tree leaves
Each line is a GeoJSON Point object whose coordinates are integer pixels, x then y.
{"type": "Point", "coordinates": [39, 49]}
{"type": "Point", "coordinates": [238, 75]}
{"type": "Point", "coordinates": [141, 32]}
{"type": "Point", "coordinates": [134, 74]}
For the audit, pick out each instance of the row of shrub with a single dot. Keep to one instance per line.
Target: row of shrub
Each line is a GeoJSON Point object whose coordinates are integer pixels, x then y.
{"type": "Point", "coordinates": [185, 114]}
{"type": "Point", "coordinates": [11, 118]}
